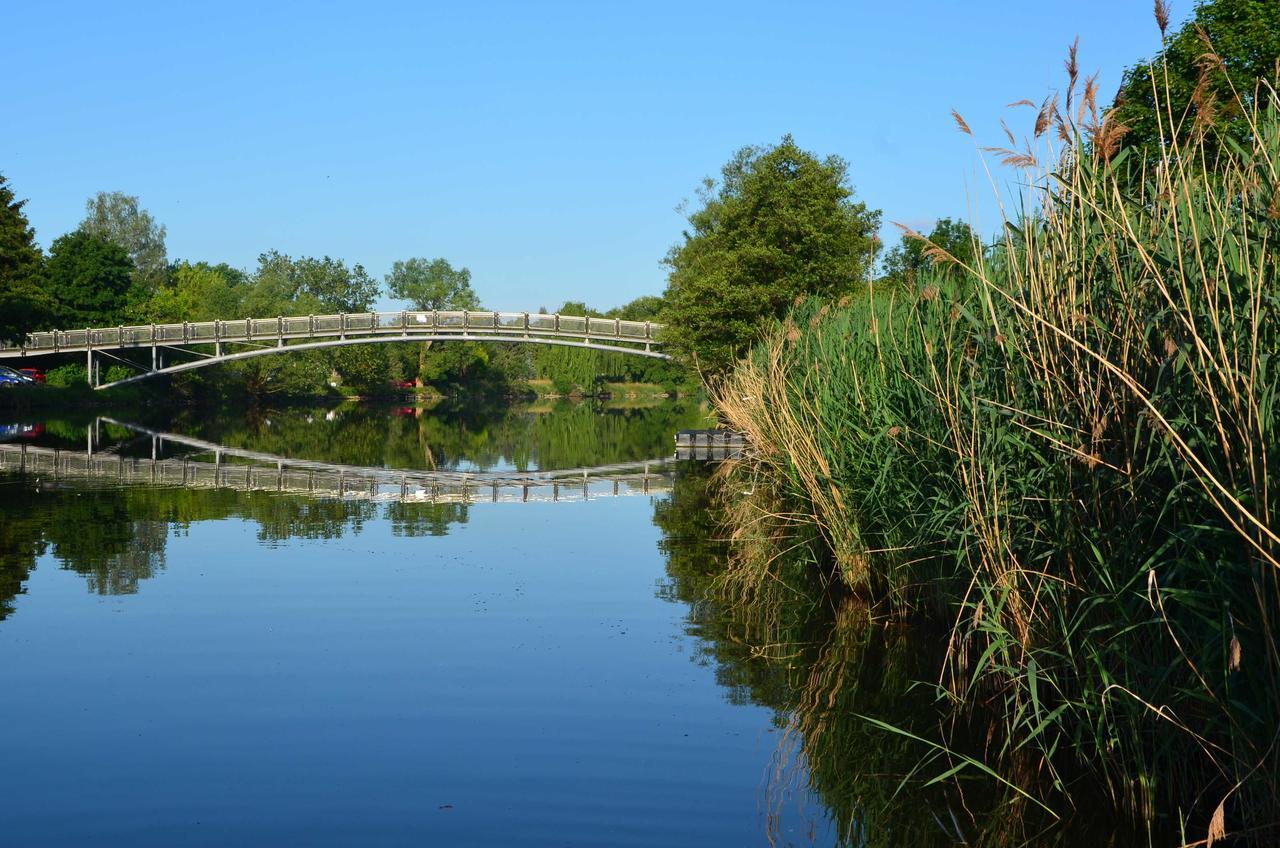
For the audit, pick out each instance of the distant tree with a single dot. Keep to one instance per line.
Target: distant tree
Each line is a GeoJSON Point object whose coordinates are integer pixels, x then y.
{"type": "Point", "coordinates": [431, 284]}
{"type": "Point", "coordinates": [23, 304]}
{"type": "Point", "coordinates": [780, 224]}
{"type": "Point", "coordinates": [364, 368]}
{"type": "Point", "coordinates": [284, 285]}
{"type": "Point", "coordinates": [89, 279]}
{"type": "Point", "coordinates": [197, 292]}
{"type": "Point", "coordinates": [578, 307]}
{"type": "Point", "coordinates": [1243, 34]}
{"type": "Point", "coordinates": [117, 217]}
{"type": "Point", "coordinates": [907, 261]}
{"type": "Point", "coordinates": [645, 308]}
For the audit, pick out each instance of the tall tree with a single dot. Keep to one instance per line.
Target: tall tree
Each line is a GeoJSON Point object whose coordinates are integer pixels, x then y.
{"type": "Point", "coordinates": [1207, 74]}
{"type": "Point", "coordinates": [432, 284]}
{"type": "Point", "coordinates": [117, 217]}
{"type": "Point", "coordinates": [781, 223]}
{"type": "Point", "coordinates": [89, 278]}
{"type": "Point", "coordinates": [23, 305]}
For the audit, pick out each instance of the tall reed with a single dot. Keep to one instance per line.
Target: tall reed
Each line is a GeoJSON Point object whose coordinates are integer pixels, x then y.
{"type": "Point", "coordinates": [1065, 450]}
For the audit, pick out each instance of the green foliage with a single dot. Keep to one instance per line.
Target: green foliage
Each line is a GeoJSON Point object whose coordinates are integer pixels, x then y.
{"type": "Point", "coordinates": [89, 280]}
{"type": "Point", "coordinates": [71, 374]}
{"type": "Point", "coordinates": [22, 301]}
{"type": "Point", "coordinates": [643, 308]}
{"type": "Point", "coordinates": [364, 368]}
{"type": "Point", "coordinates": [197, 292]}
{"type": "Point", "coordinates": [1184, 88]}
{"type": "Point", "coordinates": [914, 258]}
{"type": "Point", "coordinates": [780, 225]}
{"type": "Point", "coordinates": [306, 285]}
{"type": "Point", "coordinates": [432, 284]}
{"type": "Point", "coordinates": [117, 218]}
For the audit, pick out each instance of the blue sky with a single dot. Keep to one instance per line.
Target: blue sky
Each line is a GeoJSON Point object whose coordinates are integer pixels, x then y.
{"type": "Point", "coordinates": [544, 145]}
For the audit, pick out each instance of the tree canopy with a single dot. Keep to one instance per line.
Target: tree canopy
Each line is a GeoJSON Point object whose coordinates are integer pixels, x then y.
{"type": "Point", "coordinates": [431, 284]}
{"type": "Point", "coordinates": [781, 223]}
{"type": "Point", "coordinates": [1211, 67]}
{"type": "Point", "coordinates": [89, 279]}
{"type": "Point", "coordinates": [283, 285]}
{"type": "Point", "coordinates": [22, 302]}
{"type": "Point", "coordinates": [197, 292]}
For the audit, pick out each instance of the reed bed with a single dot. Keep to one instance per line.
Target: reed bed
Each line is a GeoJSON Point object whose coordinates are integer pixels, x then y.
{"type": "Point", "coordinates": [1063, 450]}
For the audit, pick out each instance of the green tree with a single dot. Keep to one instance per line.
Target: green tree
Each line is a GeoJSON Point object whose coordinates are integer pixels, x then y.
{"type": "Point", "coordinates": [366, 368]}
{"type": "Point", "coordinates": [1243, 34]}
{"type": "Point", "coordinates": [645, 308]}
{"type": "Point", "coordinates": [283, 285]}
{"type": "Point", "coordinates": [23, 305]}
{"type": "Point", "coordinates": [89, 279]}
{"type": "Point", "coordinates": [910, 259]}
{"type": "Point", "coordinates": [197, 292]}
{"type": "Point", "coordinates": [780, 224]}
{"type": "Point", "coordinates": [117, 217]}
{"type": "Point", "coordinates": [432, 284]}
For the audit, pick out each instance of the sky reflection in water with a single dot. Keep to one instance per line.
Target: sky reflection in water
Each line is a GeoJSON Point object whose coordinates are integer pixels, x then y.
{"type": "Point", "coordinates": [258, 668]}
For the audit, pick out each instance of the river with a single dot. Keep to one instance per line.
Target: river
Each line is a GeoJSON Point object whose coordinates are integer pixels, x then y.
{"type": "Point", "coordinates": [207, 660]}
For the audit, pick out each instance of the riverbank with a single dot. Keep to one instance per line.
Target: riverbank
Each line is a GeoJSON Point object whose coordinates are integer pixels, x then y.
{"type": "Point", "coordinates": [1061, 453]}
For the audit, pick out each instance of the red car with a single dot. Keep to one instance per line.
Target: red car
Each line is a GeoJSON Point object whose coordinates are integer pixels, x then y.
{"type": "Point", "coordinates": [34, 373]}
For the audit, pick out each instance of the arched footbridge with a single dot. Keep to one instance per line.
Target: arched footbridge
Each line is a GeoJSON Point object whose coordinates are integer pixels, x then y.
{"type": "Point", "coordinates": [205, 343]}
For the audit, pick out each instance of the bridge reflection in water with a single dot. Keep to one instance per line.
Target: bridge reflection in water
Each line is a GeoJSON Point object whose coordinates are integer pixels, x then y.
{"type": "Point", "coordinates": [254, 471]}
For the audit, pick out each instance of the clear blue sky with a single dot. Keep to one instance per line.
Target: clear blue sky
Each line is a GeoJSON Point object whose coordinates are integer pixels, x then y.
{"type": "Point", "coordinates": [543, 145]}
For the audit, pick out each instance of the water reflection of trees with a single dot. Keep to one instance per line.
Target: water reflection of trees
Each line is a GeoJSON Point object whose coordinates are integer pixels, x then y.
{"type": "Point", "coordinates": [116, 537]}
{"type": "Point", "coordinates": [836, 674]}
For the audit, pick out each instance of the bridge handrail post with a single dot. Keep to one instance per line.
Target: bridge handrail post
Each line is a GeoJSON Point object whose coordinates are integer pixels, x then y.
{"type": "Point", "coordinates": [557, 322]}
{"type": "Point", "coordinates": [280, 325]}
{"type": "Point", "coordinates": [248, 329]}
{"type": "Point", "coordinates": [435, 319]}
{"type": "Point", "coordinates": [342, 325]}
{"type": "Point", "coordinates": [311, 326]}
{"type": "Point", "coordinates": [526, 324]}
{"type": "Point", "coordinates": [404, 322]}
{"type": "Point", "coordinates": [617, 327]}
{"type": "Point", "coordinates": [648, 329]}
{"type": "Point", "coordinates": [466, 322]}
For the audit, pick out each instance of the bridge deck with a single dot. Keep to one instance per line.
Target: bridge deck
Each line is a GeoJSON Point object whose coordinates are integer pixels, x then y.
{"type": "Point", "coordinates": [255, 337]}
{"type": "Point", "coordinates": [532, 325]}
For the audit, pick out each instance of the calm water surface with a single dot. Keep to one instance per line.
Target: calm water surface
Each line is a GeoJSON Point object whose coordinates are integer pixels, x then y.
{"type": "Point", "coordinates": [209, 666]}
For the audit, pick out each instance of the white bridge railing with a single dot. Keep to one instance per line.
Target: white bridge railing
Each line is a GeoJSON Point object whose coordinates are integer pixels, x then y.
{"type": "Point", "coordinates": [505, 325]}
